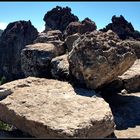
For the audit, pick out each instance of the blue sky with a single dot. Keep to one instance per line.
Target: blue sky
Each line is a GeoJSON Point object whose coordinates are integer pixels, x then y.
{"type": "Point", "coordinates": [100, 12]}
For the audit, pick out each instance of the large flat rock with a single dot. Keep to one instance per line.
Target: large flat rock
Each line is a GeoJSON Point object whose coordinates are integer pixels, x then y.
{"type": "Point", "coordinates": [54, 109]}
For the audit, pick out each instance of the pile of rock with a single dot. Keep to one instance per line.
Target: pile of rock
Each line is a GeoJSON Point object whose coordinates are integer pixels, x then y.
{"type": "Point", "coordinates": [64, 67]}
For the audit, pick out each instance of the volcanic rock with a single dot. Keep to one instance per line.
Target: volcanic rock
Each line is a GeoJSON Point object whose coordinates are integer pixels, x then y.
{"type": "Point", "coordinates": [14, 38]}
{"type": "Point", "coordinates": [54, 109]}
{"type": "Point", "coordinates": [60, 67]}
{"type": "Point", "coordinates": [49, 36]}
{"type": "Point", "coordinates": [134, 45]}
{"type": "Point", "coordinates": [70, 40]}
{"type": "Point", "coordinates": [36, 58]}
{"type": "Point", "coordinates": [87, 25]}
{"type": "Point", "coordinates": [59, 18]}
{"type": "Point", "coordinates": [98, 58]}
{"type": "Point", "coordinates": [131, 78]}
{"type": "Point", "coordinates": [123, 28]}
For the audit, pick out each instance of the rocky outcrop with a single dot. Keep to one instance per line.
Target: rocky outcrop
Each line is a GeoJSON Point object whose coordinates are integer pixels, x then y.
{"type": "Point", "coordinates": [49, 36]}
{"type": "Point", "coordinates": [98, 58]}
{"type": "Point", "coordinates": [87, 25]}
{"type": "Point", "coordinates": [70, 40]}
{"type": "Point", "coordinates": [60, 67]}
{"type": "Point", "coordinates": [36, 58]}
{"type": "Point", "coordinates": [54, 109]}
{"type": "Point", "coordinates": [14, 38]}
{"type": "Point", "coordinates": [131, 78]}
{"type": "Point", "coordinates": [59, 18]}
{"type": "Point", "coordinates": [123, 28]}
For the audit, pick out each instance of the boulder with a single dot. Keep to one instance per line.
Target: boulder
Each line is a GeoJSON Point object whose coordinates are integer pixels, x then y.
{"type": "Point", "coordinates": [54, 109]}
{"type": "Point", "coordinates": [70, 40]}
{"type": "Point", "coordinates": [14, 38]}
{"type": "Point", "coordinates": [58, 18]}
{"type": "Point", "coordinates": [87, 25]}
{"type": "Point", "coordinates": [60, 67]}
{"type": "Point", "coordinates": [98, 58]}
{"type": "Point", "coordinates": [49, 36]}
{"type": "Point", "coordinates": [131, 78]}
{"type": "Point", "coordinates": [123, 28]}
{"type": "Point", "coordinates": [36, 58]}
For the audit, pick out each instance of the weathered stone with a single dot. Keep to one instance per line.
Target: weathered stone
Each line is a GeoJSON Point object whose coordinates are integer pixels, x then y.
{"type": "Point", "coordinates": [36, 58]}
{"type": "Point", "coordinates": [134, 45]}
{"type": "Point", "coordinates": [98, 58]}
{"type": "Point", "coordinates": [60, 67]}
{"type": "Point", "coordinates": [70, 40]}
{"type": "Point", "coordinates": [131, 78]}
{"type": "Point", "coordinates": [49, 36]}
{"type": "Point", "coordinates": [14, 38]}
{"type": "Point", "coordinates": [87, 25]}
{"type": "Point", "coordinates": [55, 33]}
{"type": "Point", "coordinates": [54, 109]}
{"type": "Point", "coordinates": [59, 18]}
{"type": "Point", "coordinates": [123, 28]}
{"type": "Point", "coordinates": [59, 45]}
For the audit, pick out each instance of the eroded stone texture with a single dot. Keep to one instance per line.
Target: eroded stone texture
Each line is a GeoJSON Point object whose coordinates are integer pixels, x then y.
{"type": "Point", "coordinates": [131, 78]}
{"type": "Point", "coordinates": [54, 109]}
{"type": "Point", "coordinates": [70, 40]}
{"type": "Point", "coordinates": [36, 58]}
{"type": "Point", "coordinates": [87, 25]}
{"type": "Point", "coordinates": [60, 67]}
{"type": "Point", "coordinates": [49, 36]}
{"type": "Point", "coordinates": [134, 45]}
{"type": "Point", "coordinates": [98, 58]}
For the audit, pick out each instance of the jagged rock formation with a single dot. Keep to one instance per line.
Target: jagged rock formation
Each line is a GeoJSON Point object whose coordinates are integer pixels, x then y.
{"type": "Point", "coordinates": [123, 28]}
{"type": "Point", "coordinates": [59, 18]}
{"type": "Point", "coordinates": [60, 67]}
{"type": "Point", "coordinates": [98, 58]}
{"type": "Point", "coordinates": [36, 58]}
{"type": "Point", "coordinates": [54, 109]}
{"type": "Point", "coordinates": [87, 25]}
{"type": "Point", "coordinates": [13, 40]}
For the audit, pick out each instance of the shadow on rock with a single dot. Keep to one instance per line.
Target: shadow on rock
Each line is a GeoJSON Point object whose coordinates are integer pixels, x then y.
{"type": "Point", "coordinates": [125, 109]}
{"type": "Point", "coordinates": [86, 92]}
